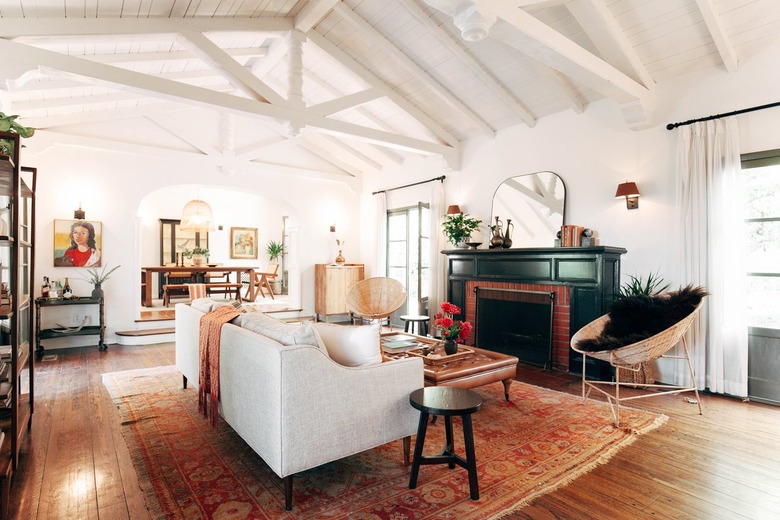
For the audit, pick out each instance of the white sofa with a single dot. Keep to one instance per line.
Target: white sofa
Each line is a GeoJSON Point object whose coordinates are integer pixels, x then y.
{"type": "Point", "coordinates": [295, 406]}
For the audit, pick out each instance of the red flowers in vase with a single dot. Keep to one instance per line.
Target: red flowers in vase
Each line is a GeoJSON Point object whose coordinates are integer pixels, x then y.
{"type": "Point", "coordinates": [451, 329]}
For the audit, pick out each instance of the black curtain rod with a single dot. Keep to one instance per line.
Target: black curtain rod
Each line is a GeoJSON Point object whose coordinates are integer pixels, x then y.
{"type": "Point", "coordinates": [672, 126]}
{"type": "Point", "coordinates": [409, 185]}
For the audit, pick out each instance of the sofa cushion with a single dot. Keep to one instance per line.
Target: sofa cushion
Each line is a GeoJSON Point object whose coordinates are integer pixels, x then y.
{"type": "Point", "coordinates": [349, 345]}
{"type": "Point", "coordinates": [284, 333]}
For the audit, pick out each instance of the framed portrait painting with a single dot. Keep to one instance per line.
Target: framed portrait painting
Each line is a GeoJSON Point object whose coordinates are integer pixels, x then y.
{"type": "Point", "coordinates": [243, 242]}
{"type": "Point", "coordinates": [78, 243]}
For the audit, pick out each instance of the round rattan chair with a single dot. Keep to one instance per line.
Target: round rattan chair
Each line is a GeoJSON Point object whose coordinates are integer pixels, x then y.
{"type": "Point", "coordinates": [376, 298]}
{"type": "Point", "coordinates": [633, 357]}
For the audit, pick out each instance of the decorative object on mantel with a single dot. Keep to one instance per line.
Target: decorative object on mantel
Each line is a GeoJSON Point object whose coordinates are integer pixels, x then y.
{"type": "Point", "coordinates": [496, 238]}
{"type": "Point", "coordinates": [506, 243]}
{"type": "Point", "coordinates": [452, 332]}
{"type": "Point", "coordinates": [96, 278]}
{"type": "Point", "coordinates": [473, 245]}
{"type": "Point", "coordinates": [630, 191]}
{"type": "Point", "coordinates": [576, 236]}
{"type": "Point", "coordinates": [458, 227]}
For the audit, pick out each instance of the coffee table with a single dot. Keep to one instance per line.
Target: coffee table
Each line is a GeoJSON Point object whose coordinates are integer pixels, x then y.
{"type": "Point", "coordinates": [482, 367]}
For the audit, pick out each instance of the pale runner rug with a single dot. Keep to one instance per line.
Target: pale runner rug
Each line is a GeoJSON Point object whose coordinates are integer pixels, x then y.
{"type": "Point", "coordinates": [538, 441]}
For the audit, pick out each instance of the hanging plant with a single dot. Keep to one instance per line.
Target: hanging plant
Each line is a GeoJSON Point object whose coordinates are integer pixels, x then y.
{"type": "Point", "coordinates": [9, 124]}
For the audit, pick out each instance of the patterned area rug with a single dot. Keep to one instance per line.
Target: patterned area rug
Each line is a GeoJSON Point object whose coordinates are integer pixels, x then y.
{"type": "Point", "coordinates": [538, 441]}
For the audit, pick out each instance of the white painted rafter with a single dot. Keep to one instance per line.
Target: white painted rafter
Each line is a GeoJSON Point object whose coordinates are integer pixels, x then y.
{"type": "Point", "coordinates": [313, 13]}
{"type": "Point", "coordinates": [452, 155]}
{"type": "Point", "coordinates": [30, 57]}
{"type": "Point", "coordinates": [346, 102]}
{"type": "Point", "coordinates": [474, 66]}
{"type": "Point", "coordinates": [725, 49]}
{"type": "Point", "coordinates": [237, 75]}
{"type": "Point", "coordinates": [609, 38]}
{"type": "Point", "coordinates": [563, 86]}
{"type": "Point", "coordinates": [378, 40]}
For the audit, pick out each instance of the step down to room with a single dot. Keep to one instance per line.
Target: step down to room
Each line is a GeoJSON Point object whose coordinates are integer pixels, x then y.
{"type": "Point", "coordinates": [145, 336]}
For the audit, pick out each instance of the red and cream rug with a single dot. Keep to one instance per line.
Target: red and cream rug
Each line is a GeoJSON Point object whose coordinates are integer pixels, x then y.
{"type": "Point", "coordinates": [538, 441]}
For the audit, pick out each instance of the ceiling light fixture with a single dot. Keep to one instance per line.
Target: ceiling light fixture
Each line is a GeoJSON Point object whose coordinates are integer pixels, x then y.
{"type": "Point", "coordinates": [197, 216]}
{"type": "Point", "coordinates": [472, 18]}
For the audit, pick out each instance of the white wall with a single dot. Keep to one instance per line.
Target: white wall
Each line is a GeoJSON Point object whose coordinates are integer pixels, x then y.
{"type": "Point", "coordinates": [128, 193]}
{"type": "Point", "coordinates": [595, 151]}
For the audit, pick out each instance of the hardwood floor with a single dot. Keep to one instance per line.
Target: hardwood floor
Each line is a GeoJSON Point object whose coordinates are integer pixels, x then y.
{"type": "Point", "coordinates": [722, 465]}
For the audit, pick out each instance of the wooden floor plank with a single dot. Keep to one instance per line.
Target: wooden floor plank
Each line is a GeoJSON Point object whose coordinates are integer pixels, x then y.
{"type": "Point", "coordinates": [724, 464]}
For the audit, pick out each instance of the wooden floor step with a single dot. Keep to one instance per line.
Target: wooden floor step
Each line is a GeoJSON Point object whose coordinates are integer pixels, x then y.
{"type": "Point", "coordinates": [146, 332]}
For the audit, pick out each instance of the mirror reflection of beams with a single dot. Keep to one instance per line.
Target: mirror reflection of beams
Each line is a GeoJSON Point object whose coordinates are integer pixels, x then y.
{"type": "Point", "coordinates": [535, 203]}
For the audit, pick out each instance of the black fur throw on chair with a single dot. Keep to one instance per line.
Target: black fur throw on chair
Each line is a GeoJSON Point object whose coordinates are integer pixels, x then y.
{"type": "Point", "coordinates": [635, 318]}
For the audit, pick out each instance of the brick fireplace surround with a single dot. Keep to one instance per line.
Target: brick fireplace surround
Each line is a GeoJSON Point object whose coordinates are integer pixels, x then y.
{"type": "Point", "coordinates": [584, 281]}
{"type": "Point", "coordinates": [560, 325]}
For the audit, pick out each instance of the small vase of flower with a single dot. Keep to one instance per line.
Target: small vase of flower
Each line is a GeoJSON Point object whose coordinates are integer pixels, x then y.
{"type": "Point", "coordinates": [96, 278]}
{"type": "Point", "coordinates": [452, 331]}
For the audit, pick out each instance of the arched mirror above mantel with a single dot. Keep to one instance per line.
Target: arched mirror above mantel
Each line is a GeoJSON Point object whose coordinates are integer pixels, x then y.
{"type": "Point", "coordinates": [535, 203]}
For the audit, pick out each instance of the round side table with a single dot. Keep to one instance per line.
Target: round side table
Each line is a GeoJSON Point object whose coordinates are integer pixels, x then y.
{"type": "Point", "coordinates": [446, 401]}
{"type": "Point", "coordinates": [420, 321]}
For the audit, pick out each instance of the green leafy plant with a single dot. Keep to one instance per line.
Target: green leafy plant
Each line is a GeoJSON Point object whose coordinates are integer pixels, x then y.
{"type": "Point", "coordinates": [274, 250]}
{"type": "Point", "coordinates": [97, 277]}
{"type": "Point", "coordinates": [458, 227]}
{"type": "Point", "coordinates": [188, 253]}
{"type": "Point", "coordinates": [9, 124]}
{"type": "Point", "coordinates": [639, 285]}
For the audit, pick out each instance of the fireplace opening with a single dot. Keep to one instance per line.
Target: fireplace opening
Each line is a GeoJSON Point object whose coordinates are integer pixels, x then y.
{"type": "Point", "coordinates": [518, 323]}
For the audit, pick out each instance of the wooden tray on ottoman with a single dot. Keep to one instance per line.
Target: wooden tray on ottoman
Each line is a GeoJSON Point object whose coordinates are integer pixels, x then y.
{"type": "Point", "coordinates": [463, 352]}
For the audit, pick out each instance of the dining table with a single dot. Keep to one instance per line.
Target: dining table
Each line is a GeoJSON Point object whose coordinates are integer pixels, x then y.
{"type": "Point", "coordinates": [198, 272]}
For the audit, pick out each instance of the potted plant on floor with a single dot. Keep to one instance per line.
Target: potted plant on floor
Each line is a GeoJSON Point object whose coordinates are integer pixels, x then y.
{"type": "Point", "coordinates": [275, 250]}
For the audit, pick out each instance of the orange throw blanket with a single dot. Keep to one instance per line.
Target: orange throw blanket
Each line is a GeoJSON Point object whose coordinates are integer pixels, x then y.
{"type": "Point", "coordinates": [208, 349]}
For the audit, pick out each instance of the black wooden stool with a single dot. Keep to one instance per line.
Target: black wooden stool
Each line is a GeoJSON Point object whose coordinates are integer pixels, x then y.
{"type": "Point", "coordinates": [446, 401]}
{"type": "Point", "coordinates": [411, 320]}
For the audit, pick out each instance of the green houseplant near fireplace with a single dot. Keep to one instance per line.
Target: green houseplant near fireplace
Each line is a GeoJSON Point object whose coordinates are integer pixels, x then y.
{"type": "Point", "coordinates": [458, 228]}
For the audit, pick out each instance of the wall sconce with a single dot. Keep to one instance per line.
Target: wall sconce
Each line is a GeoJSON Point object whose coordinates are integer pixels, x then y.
{"type": "Point", "coordinates": [453, 210]}
{"type": "Point", "coordinates": [79, 214]}
{"type": "Point", "coordinates": [630, 192]}
{"type": "Point", "coordinates": [333, 228]}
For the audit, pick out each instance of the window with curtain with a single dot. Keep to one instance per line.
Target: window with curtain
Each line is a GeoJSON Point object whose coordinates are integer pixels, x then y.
{"type": "Point", "coordinates": [408, 253]}
{"type": "Point", "coordinates": [761, 183]}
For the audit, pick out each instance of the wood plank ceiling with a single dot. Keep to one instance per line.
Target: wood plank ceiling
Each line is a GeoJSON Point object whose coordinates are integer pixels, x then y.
{"type": "Point", "coordinates": [352, 85]}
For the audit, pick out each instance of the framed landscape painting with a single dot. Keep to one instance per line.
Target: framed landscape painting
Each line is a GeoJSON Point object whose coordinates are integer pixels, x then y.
{"type": "Point", "coordinates": [243, 242]}
{"type": "Point", "coordinates": [78, 243]}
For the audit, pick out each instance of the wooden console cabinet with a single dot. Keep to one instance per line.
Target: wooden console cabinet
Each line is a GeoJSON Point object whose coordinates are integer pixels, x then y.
{"type": "Point", "coordinates": [331, 285]}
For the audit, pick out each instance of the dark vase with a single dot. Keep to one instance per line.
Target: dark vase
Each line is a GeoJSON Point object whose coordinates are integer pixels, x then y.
{"type": "Point", "coordinates": [97, 292]}
{"type": "Point", "coordinates": [450, 347]}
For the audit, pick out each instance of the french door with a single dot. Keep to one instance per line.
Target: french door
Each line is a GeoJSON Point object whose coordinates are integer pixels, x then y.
{"type": "Point", "coordinates": [408, 255]}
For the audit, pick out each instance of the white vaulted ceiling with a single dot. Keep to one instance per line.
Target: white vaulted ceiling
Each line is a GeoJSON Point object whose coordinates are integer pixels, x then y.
{"type": "Point", "coordinates": [346, 87]}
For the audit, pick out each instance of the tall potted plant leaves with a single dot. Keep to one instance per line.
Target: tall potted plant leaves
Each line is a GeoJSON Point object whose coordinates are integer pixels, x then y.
{"type": "Point", "coordinates": [275, 250]}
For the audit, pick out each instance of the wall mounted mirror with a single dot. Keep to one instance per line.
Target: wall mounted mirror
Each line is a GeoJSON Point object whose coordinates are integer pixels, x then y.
{"type": "Point", "coordinates": [535, 203]}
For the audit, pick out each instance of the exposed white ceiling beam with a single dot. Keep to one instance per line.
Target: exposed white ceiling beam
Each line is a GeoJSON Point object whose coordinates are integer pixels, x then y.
{"type": "Point", "coordinates": [325, 153]}
{"type": "Point", "coordinates": [46, 138]}
{"type": "Point", "coordinates": [99, 116]}
{"type": "Point", "coordinates": [313, 13]}
{"type": "Point", "coordinates": [367, 161]}
{"type": "Point", "coordinates": [345, 102]}
{"type": "Point", "coordinates": [44, 28]}
{"type": "Point", "coordinates": [371, 79]}
{"type": "Point", "coordinates": [130, 57]}
{"type": "Point", "coordinates": [606, 34]}
{"type": "Point", "coordinates": [479, 72]}
{"type": "Point", "coordinates": [532, 37]}
{"type": "Point", "coordinates": [190, 135]}
{"type": "Point", "coordinates": [237, 75]}
{"type": "Point", "coordinates": [29, 57]}
{"type": "Point", "coordinates": [276, 51]}
{"type": "Point", "coordinates": [380, 41]}
{"type": "Point", "coordinates": [563, 86]}
{"type": "Point", "coordinates": [63, 102]}
{"type": "Point", "coordinates": [712, 19]}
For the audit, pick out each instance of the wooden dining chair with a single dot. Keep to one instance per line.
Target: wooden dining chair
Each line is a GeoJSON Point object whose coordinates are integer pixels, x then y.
{"type": "Point", "coordinates": [261, 280]}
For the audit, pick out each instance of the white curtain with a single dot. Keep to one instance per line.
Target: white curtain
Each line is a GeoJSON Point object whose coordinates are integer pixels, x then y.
{"type": "Point", "coordinates": [710, 219]}
{"type": "Point", "coordinates": [438, 270]}
{"type": "Point", "coordinates": [380, 214]}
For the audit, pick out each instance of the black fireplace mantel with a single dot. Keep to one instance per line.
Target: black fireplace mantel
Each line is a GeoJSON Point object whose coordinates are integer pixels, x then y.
{"type": "Point", "coordinates": [591, 273]}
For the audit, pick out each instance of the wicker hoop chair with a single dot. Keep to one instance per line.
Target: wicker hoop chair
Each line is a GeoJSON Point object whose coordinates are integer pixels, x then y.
{"type": "Point", "coordinates": [632, 357]}
{"type": "Point", "coordinates": [376, 298]}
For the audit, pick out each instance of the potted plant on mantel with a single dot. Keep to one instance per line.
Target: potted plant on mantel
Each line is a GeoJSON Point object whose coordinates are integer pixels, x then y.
{"type": "Point", "coordinates": [275, 250]}
{"type": "Point", "coordinates": [198, 254]}
{"type": "Point", "coordinates": [458, 228]}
